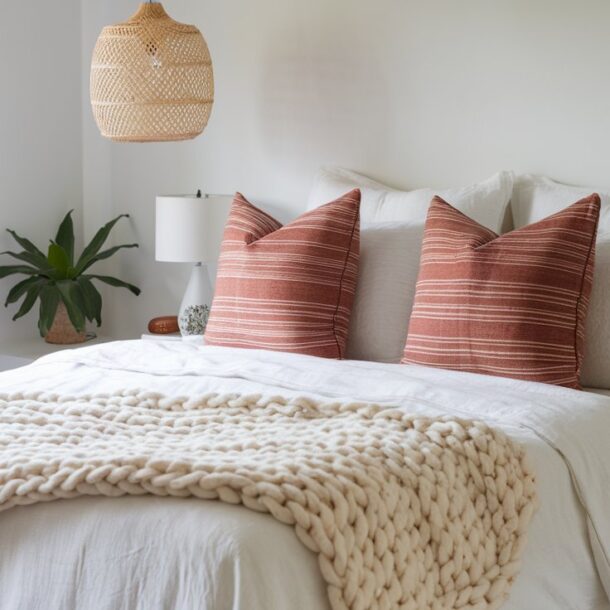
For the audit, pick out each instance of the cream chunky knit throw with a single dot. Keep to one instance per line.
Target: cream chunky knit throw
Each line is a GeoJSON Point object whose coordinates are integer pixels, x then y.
{"type": "Point", "coordinates": [403, 511]}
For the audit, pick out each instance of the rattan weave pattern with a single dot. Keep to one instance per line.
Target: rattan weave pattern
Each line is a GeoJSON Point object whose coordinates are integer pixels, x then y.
{"type": "Point", "coordinates": [151, 79]}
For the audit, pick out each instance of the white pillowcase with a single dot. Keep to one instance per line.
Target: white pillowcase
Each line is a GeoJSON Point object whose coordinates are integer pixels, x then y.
{"type": "Point", "coordinates": [535, 198]}
{"type": "Point", "coordinates": [390, 242]}
{"type": "Point", "coordinates": [387, 274]}
{"type": "Point", "coordinates": [485, 202]}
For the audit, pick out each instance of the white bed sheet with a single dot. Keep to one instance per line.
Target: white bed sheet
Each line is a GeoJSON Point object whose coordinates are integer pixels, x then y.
{"type": "Point", "coordinates": [175, 553]}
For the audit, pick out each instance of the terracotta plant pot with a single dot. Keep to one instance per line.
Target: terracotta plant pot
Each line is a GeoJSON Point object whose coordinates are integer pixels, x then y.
{"type": "Point", "coordinates": [62, 331]}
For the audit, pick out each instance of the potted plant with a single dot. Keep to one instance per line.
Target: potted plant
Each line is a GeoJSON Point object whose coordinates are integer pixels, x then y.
{"type": "Point", "coordinates": [64, 286]}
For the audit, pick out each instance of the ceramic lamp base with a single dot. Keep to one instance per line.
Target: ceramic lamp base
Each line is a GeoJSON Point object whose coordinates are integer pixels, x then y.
{"type": "Point", "coordinates": [196, 303]}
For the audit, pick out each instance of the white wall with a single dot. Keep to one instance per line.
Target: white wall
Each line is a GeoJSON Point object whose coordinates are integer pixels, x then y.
{"type": "Point", "coordinates": [40, 130]}
{"type": "Point", "coordinates": [416, 93]}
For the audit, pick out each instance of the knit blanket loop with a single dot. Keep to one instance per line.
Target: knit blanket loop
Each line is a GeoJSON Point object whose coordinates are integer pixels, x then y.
{"type": "Point", "coordinates": [403, 511]}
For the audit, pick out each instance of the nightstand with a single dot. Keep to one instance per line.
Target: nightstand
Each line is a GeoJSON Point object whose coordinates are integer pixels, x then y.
{"type": "Point", "coordinates": [174, 338]}
{"type": "Point", "coordinates": [20, 352]}
{"type": "Point", "coordinates": [169, 337]}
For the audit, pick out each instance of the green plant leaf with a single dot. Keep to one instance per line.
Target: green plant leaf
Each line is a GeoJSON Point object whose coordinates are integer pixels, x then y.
{"type": "Point", "coordinates": [33, 259]}
{"type": "Point", "coordinates": [49, 300]}
{"type": "Point", "coordinates": [92, 300]}
{"type": "Point", "coordinates": [27, 245]}
{"type": "Point", "coordinates": [72, 299]}
{"type": "Point", "coordinates": [30, 298]}
{"type": "Point", "coordinates": [65, 236]}
{"type": "Point", "coordinates": [96, 243]}
{"type": "Point", "coordinates": [112, 281]}
{"type": "Point", "coordinates": [58, 258]}
{"type": "Point", "coordinates": [18, 290]}
{"type": "Point", "coordinates": [7, 270]}
{"type": "Point", "coordinates": [106, 254]}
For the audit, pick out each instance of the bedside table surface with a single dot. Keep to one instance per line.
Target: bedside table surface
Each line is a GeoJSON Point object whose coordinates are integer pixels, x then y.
{"type": "Point", "coordinates": [168, 337]}
{"type": "Point", "coordinates": [32, 348]}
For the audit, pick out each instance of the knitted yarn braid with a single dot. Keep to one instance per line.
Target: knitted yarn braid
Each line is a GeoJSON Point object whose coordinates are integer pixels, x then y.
{"type": "Point", "coordinates": [403, 511]}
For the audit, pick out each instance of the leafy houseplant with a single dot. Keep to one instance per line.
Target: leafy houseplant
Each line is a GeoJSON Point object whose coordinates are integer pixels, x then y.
{"type": "Point", "coordinates": [67, 295]}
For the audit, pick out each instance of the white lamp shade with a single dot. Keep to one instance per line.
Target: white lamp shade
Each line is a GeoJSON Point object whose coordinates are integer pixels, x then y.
{"type": "Point", "coordinates": [189, 228]}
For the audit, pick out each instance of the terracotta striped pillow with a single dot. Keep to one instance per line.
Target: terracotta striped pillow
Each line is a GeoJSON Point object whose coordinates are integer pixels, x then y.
{"type": "Point", "coordinates": [287, 288]}
{"type": "Point", "coordinates": [513, 305]}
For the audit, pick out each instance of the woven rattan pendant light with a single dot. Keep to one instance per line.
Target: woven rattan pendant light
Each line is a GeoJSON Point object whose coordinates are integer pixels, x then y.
{"type": "Point", "coordinates": [151, 79]}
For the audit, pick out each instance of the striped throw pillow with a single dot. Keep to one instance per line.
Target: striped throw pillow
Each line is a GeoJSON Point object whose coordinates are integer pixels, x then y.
{"type": "Point", "coordinates": [287, 288]}
{"type": "Point", "coordinates": [512, 305]}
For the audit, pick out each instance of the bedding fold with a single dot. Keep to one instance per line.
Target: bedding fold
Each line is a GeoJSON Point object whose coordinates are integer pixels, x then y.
{"type": "Point", "coordinates": [563, 432]}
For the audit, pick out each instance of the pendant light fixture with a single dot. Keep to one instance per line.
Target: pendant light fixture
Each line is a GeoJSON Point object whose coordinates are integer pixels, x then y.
{"type": "Point", "coordinates": [151, 79]}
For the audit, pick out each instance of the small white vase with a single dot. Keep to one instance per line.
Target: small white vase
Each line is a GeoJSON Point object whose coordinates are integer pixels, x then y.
{"type": "Point", "coordinates": [196, 303]}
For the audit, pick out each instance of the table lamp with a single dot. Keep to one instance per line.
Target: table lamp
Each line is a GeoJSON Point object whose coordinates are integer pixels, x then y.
{"type": "Point", "coordinates": [184, 227]}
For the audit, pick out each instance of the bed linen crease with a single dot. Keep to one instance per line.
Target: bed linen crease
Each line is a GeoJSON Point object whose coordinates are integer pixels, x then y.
{"type": "Point", "coordinates": [535, 416]}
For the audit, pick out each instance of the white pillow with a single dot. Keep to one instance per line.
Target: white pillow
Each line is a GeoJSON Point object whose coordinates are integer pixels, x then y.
{"type": "Point", "coordinates": [485, 202]}
{"type": "Point", "coordinates": [390, 251]}
{"type": "Point", "coordinates": [535, 198]}
{"type": "Point", "coordinates": [387, 274]}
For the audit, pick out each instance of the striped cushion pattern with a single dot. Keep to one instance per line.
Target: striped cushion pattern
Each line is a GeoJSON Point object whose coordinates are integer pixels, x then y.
{"type": "Point", "coordinates": [512, 305]}
{"type": "Point", "coordinates": [287, 288]}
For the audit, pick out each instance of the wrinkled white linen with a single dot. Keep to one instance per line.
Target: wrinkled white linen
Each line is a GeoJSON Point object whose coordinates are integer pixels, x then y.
{"type": "Point", "coordinates": [175, 553]}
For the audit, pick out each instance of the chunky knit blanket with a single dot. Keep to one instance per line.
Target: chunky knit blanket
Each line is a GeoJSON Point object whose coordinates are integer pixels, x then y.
{"type": "Point", "coordinates": [403, 511]}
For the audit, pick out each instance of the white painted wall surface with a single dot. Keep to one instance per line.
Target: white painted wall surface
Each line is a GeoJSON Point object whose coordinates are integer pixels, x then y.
{"type": "Point", "coordinates": [415, 93]}
{"type": "Point", "coordinates": [40, 130]}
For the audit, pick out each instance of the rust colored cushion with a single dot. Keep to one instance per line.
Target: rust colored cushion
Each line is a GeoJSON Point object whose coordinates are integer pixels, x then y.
{"type": "Point", "coordinates": [287, 288]}
{"type": "Point", "coordinates": [512, 305]}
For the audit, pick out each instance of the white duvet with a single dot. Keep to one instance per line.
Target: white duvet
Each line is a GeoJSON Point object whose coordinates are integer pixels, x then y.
{"type": "Point", "coordinates": [162, 553]}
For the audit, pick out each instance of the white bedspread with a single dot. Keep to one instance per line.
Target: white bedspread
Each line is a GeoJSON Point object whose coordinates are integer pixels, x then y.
{"type": "Point", "coordinates": [154, 553]}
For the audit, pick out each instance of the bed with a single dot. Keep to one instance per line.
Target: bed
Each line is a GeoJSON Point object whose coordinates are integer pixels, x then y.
{"type": "Point", "coordinates": [149, 552]}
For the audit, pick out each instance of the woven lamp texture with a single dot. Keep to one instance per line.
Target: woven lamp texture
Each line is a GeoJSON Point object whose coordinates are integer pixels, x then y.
{"type": "Point", "coordinates": [151, 79]}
